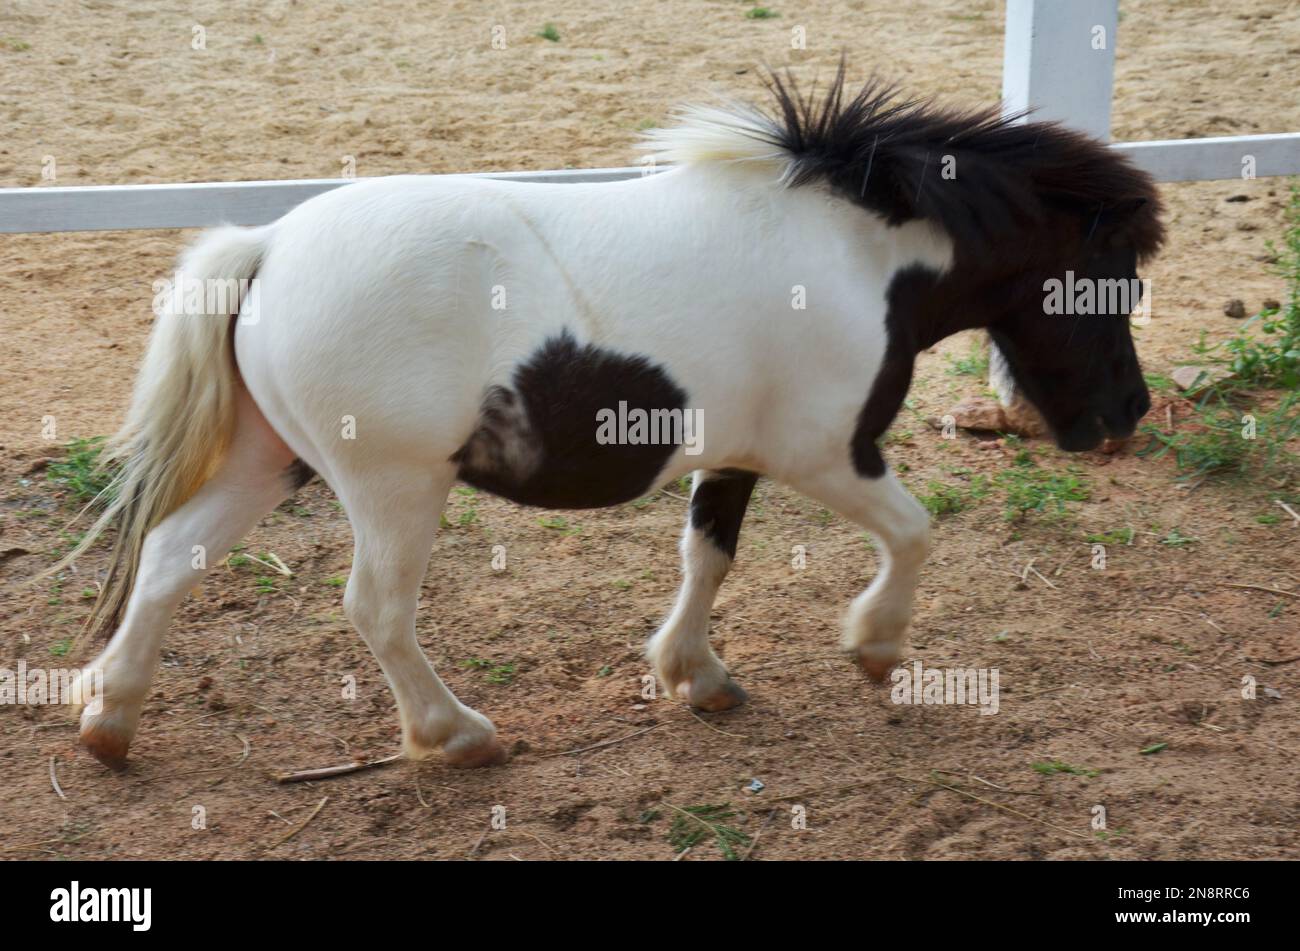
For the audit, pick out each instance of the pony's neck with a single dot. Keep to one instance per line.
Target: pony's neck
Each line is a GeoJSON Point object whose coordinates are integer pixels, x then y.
{"type": "Point", "coordinates": [926, 306]}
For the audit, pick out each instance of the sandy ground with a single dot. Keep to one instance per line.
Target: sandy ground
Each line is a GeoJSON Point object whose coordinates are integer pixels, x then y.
{"type": "Point", "coordinates": [1096, 666]}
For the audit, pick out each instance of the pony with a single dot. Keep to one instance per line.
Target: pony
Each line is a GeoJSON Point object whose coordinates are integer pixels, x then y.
{"type": "Point", "coordinates": [774, 286]}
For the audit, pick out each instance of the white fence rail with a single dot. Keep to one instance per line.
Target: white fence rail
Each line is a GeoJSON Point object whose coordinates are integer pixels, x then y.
{"type": "Point", "coordinates": [129, 207]}
{"type": "Point", "coordinates": [1059, 59]}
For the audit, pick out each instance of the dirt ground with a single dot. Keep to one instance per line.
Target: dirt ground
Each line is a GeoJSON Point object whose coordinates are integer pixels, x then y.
{"type": "Point", "coordinates": [1096, 666]}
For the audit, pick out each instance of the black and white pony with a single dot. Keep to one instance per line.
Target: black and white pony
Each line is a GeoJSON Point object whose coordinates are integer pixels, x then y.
{"type": "Point", "coordinates": [775, 286]}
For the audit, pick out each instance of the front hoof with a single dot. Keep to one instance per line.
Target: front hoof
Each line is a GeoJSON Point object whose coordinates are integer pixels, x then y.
{"type": "Point", "coordinates": [876, 663]}
{"type": "Point", "coordinates": [473, 754]}
{"type": "Point", "coordinates": [716, 697]}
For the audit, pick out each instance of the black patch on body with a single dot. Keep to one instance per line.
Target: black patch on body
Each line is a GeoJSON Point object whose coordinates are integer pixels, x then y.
{"type": "Point", "coordinates": [718, 506]}
{"type": "Point", "coordinates": [535, 442]}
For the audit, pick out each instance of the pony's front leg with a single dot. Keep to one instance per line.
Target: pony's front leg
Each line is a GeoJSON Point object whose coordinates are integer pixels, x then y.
{"type": "Point", "coordinates": [683, 660]}
{"type": "Point", "coordinates": [877, 619]}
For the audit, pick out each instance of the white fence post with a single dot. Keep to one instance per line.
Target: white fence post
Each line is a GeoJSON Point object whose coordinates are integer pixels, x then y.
{"type": "Point", "coordinates": [1059, 60]}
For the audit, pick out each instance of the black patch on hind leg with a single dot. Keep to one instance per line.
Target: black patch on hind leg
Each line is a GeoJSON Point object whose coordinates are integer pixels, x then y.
{"type": "Point", "coordinates": [718, 507]}
{"type": "Point", "coordinates": [536, 443]}
{"type": "Point", "coordinates": [911, 324]}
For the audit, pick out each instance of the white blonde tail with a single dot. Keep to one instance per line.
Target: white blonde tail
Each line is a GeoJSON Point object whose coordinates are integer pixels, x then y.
{"type": "Point", "coordinates": [182, 410]}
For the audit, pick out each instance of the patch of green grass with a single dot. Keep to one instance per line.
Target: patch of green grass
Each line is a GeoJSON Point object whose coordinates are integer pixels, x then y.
{"type": "Point", "coordinates": [18, 46]}
{"type": "Point", "coordinates": [1031, 488]}
{"type": "Point", "coordinates": [1051, 767]}
{"type": "Point", "coordinates": [336, 582]}
{"type": "Point", "coordinates": [79, 471]}
{"type": "Point", "coordinates": [1216, 444]}
{"type": "Point", "coordinates": [264, 584]}
{"type": "Point", "coordinates": [1153, 749]}
{"type": "Point", "coordinates": [549, 32]}
{"type": "Point", "coordinates": [1176, 539]}
{"type": "Point", "coordinates": [694, 824]}
{"type": "Point", "coordinates": [61, 648]}
{"type": "Point", "coordinates": [1263, 357]}
{"type": "Point", "coordinates": [975, 363]}
{"type": "Point", "coordinates": [559, 523]}
{"type": "Point", "coordinates": [761, 13]}
{"type": "Point", "coordinates": [942, 499]}
{"type": "Point", "coordinates": [1268, 518]}
{"type": "Point", "coordinates": [500, 674]}
{"type": "Point", "coordinates": [1117, 536]}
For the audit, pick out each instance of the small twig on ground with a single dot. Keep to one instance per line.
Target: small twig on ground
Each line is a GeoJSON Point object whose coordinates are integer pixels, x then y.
{"type": "Point", "coordinates": [691, 711]}
{"type": "Point", "coordinates": [54, 780]}
{"type": "Point", "coordinates": [1042, 577]}
{"type": "Point", "coordinates": [329, 772]}
{"type": "Point", "coordinates": [302, 825]}
{"type": "Point", "coordinates": [275, 564]}
{"type": "Point", "coordinates": [1260, 587]}
{"type": "Point", "coordinates": [989, 802]}
{"type": "Point", "coordinates": [604, 743]}
{"type": "Point", "coordinates": [1024, 575]}
{"type": "Point", "coordinates": [479, 843]}
{"type": "Point", "coordinates": [754, 844]}
{"type": "Point", "coordinates": [1199, 615]}
{"type": "Point", "coordinates": [1289, 511]}
{"type": "Point", "coordinates": [1275, 663]}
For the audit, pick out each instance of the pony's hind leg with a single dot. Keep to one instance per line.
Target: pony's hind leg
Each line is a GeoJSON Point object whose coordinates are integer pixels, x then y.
{"type": "Point", "coordinates": [395, 514]}
{"type": "Point", "coordinates": [254, 477]}
{"type": "Point", "coordinates": [878, 618]}
{"type": "Point", "coordinates": [680, 652]}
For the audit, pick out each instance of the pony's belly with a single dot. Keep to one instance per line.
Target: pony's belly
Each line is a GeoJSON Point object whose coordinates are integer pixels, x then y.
{"type": "Point", "coordinates": [579, 427]}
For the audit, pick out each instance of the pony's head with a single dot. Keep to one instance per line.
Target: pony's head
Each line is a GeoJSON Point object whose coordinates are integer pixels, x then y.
{"type": "Point", "coordinates": [1047, 227]}
{"type": "Point", "coordinates": [1067, 341]}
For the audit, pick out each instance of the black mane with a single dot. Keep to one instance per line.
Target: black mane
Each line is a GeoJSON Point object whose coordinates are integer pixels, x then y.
{"type": "Point", "coordinates": [1011, 177]}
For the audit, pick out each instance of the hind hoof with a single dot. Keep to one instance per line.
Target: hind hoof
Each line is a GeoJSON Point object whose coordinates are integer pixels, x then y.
{"type": "Point", "coordinates": [107, 745]}
{"type": "Point", "coordinates": [482, 753]}
{"type": "Point", "coordinates": [714, 699]}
